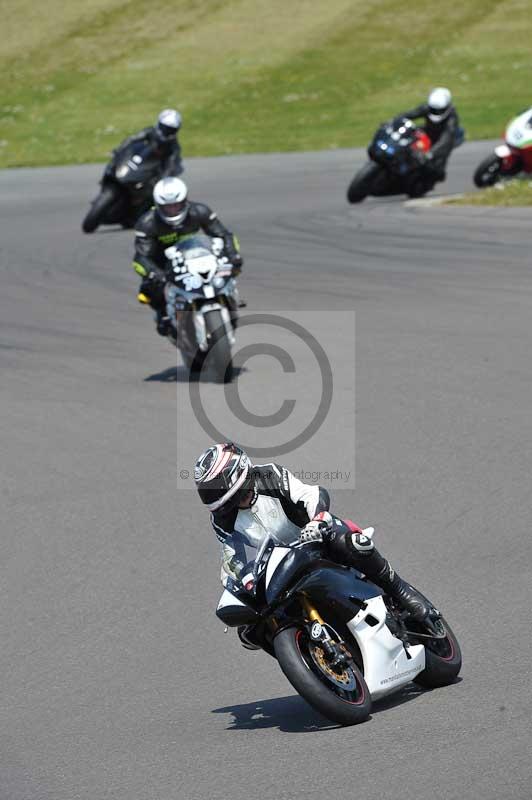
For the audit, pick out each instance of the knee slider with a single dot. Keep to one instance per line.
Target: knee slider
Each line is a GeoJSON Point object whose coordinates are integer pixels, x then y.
{"type": "Point", "coordinates": [361, 544]}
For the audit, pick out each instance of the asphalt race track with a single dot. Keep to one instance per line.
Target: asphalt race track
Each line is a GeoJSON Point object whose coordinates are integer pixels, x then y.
{"type": "Point", "coordinates": [117, 679]}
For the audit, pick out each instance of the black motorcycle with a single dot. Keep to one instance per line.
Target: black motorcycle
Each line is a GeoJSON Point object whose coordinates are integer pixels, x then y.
{"type": "Point", "coordinates": [397, 166]}
{"type": "Point", "coordinates": [126, 188]}
{"type": "Point", "coordinates": [340, 642]}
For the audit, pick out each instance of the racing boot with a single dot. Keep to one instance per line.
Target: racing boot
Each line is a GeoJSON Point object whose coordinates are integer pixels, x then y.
{"type": "Point", "coordinates": [401, 591]}
{"type": "Point", "coordinates": [366, 558]}
{"type": "Point", "coordinates": [162, 323]}
{"type": "Point", "coordinates": [151, 294]}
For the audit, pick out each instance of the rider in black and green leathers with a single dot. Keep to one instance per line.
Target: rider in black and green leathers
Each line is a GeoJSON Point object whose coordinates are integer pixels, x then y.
{"type": "Point", "coordinates": [172, 219]}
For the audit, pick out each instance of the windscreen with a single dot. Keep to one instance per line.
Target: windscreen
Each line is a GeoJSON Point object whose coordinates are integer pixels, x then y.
{"type": "Point", "coordinates": [252, 552]}
{"type": "Point", "coordinates": [136, 163]}
{"type": "Point", "coordinates": [195, 246]}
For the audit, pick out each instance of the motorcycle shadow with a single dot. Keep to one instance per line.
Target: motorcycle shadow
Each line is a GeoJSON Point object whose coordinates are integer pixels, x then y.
{"type": "Point", "coordinates": [181, 374]}
{"type": "Point", "coordinates": [291, 714]}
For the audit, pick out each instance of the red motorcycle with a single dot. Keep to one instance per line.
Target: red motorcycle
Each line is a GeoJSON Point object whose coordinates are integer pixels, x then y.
{"type": "Point", "coordinates": [511, 158]}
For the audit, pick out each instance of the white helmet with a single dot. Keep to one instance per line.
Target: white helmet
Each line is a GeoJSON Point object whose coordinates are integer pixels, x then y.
{"type": "Point", "coordinates": [439, 102]}
{"type": "Point", "coordinates": [168, 124]}
{"type": "Point", "coordinates": [170, 197]}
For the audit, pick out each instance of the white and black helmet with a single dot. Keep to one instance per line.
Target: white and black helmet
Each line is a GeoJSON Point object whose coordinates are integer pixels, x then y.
{"type": "Point", "coordinates": [168, 124]}
{"type": "Point", "coordinates": [223, 475]}
{"type": "Point", "coordinates": [439, 102]}
{"type": "Point", "coordinates": [170, 198]}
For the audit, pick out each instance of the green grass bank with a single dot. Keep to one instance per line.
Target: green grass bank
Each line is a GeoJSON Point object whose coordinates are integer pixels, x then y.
{"type": "Point", "coordinates": [517, 192]}
{"type": "Point", "coordinates": [77, 77]}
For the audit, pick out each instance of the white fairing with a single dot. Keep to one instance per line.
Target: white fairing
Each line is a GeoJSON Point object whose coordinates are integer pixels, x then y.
{"type": "Point", "coordinates": [204, 266]}
{"type": "Point", "coordinates": [519, 131]}
{"type": "Point", "coordinates": [503, 151]}
{"type": "Point", "coordinates": [386, 665]}
{"type": "Point", "coordinates": [275, 559]}
{"type": "Point", "coordinates": [228, 599]}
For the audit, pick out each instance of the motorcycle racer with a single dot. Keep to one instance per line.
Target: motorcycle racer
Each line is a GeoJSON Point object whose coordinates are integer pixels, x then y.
{"type": "Point", "coordinates": [248, 502]}
{"type": "Point", "coordinates": [172, 218]}
{"type": "Point", "coordinates": [161, 138]}
{"type": "Point", "coordinates": [441, 126]}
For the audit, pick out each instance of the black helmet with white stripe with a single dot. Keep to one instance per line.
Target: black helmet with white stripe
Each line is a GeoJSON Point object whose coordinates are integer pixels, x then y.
{"type": "Point", "coordinates": [223, 475]}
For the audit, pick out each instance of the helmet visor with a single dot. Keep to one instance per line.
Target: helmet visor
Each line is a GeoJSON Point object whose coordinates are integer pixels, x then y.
{"type": "Point", "coordinates": [242, 493]}
{"type": "Point", "coordinates": [165, 132]}
{"type": "Point", "coordinates": [173, 209]}
{"type": "Point", "coordinates": [436, 114]}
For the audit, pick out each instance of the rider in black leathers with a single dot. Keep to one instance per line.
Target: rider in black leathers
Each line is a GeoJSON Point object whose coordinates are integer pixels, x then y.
{"type": "Point", "coordinates": [161, 139]}
{"type": "Point", "coordinates": [159, 228]}
{"type": "Point", "coordinates": [441, 124]}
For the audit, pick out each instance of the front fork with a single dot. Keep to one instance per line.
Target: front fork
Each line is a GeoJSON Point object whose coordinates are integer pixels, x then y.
{"type": "Point", "coordinates": [201, 328]}
{"type": "Point", "coordinates": [317, 629]}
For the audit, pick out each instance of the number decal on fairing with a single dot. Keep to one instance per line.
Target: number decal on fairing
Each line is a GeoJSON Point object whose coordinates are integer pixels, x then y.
{"type": "Point", "coordinates": [175, 257]}
{"type": "Point", "coordinates": [192, 282]}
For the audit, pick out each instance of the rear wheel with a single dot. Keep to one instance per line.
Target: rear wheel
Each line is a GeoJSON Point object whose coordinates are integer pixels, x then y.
{"type": "Point", "coordinates": [488, 172]}
{"type": "Point", "coordinates": [219, 357]}
{"type": "Point", "coordinates": [99, 208]}
{"type": "Point", "coordinates": [362, 183]}
{"type": "Point", "coordinates": [340, 694]}
{"type": "Point", "coordinates": [443, 659]}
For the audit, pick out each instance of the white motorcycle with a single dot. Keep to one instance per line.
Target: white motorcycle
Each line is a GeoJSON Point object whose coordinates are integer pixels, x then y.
{"type": "Point", "coordinates": [338, 639]}
{"type": "Point", "coordinates": [510, 158]}
{"type": "Point", "coordinates": [202, 301]}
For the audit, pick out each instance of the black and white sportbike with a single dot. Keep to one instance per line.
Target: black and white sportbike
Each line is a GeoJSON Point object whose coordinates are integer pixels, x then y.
{"type": "Point", "coordinates": [338, 639]}
{"type": "Point", "coordinates": [126, 188]}
{"type": "Point", "coordinates": [202, 301]}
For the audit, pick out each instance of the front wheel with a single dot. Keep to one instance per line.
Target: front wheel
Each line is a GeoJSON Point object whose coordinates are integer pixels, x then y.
{"type": "Point", "coordinates": [362, 183]}
{"type": "Point", "coordinates": [488, 172]}
{"type": "Point", "coordinates": [443, 659]}
{"type": "Point", "coordinates": [340, 694]}
{"type": "Point", "coordinates": [419, 187]}
{"type": "Point", "coordinates": [219, 356]}
{"type": "Point", "coordinates": [99, 208]}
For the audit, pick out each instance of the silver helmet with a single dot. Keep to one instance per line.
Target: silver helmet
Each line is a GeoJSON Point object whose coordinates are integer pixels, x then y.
{"type": "Point", "coordinates": [168, 124]}
{"type": "Point", "coordinates": [439, 102]}
{"type": "Point", "coordinates": [170, 198]}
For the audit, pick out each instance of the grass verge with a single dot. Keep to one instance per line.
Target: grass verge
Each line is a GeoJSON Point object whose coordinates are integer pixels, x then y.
{"type": "Point", "coordinates": [507, 193]}
{"type": "Point", "coordinates": [75, 78]}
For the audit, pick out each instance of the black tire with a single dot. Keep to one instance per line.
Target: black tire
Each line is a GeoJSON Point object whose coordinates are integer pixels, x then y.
{"type": "Point", "coordinates": [347, 706]}
{"type": "Point", "coordinates": [360, 186]}
{"type": "Point", "coordinates": [219, 357]}
{"type": "Point", "coordinates": [488, 172]}
{"type": "Point", "coordinates": [443, 660]}
{"type": "Point", "coordinates": [419, 187]}
{"type": "Point", "coordinates": [99, 208]}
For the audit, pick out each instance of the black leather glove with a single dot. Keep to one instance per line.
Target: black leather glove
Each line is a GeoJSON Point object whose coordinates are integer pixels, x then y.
{"type": "Point", "coordinates": [236, 261]}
